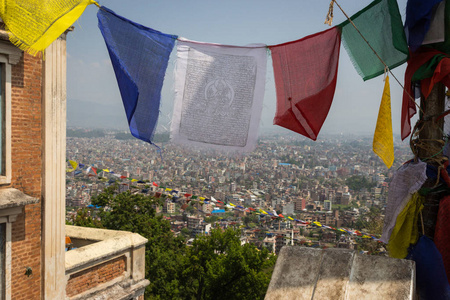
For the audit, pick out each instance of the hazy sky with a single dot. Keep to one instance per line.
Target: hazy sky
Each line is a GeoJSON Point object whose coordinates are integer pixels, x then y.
{"type": "Point", "coordinates": [94, 98]}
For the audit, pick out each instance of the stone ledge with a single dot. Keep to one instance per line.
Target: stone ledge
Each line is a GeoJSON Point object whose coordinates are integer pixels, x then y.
{"type": "Point", "coordinates": [10, 198]}
{"type": "Point", "coordinates": [119, 291]}
{"type": "Point", "coordinates": [108, 243]}
{"type": "Point", "coordinates": [307, 273]}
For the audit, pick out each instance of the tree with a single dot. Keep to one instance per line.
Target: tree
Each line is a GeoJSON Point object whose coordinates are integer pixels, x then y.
{"type": "Point", "coordinates": [84, 218]}
{"type": "Point", "coordinates": [163, 251]}
{"type": "Point", "coordinates": [215, 267]}
{"type": "Point", "coordinates": [218, 267]}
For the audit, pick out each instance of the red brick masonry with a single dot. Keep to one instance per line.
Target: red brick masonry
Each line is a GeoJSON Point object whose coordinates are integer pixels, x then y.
{"type": "Point", "coordinates": [92, 277]}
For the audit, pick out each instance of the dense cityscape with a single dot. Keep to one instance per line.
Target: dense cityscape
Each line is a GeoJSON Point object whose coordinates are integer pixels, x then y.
{"type": "Point", "coordinates": [337, 182]}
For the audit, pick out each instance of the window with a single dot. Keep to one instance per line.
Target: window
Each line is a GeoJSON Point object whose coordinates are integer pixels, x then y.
{"type": "Point", "coordinates": [9, 55]}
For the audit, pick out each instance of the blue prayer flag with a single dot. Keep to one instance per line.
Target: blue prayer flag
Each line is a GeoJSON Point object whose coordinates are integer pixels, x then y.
{"type": "Point", "coordinates": [139, 56]}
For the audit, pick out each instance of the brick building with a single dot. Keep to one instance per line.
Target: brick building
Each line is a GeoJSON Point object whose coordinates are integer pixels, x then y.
{"type": "Point", "coordinates": [32, 187]}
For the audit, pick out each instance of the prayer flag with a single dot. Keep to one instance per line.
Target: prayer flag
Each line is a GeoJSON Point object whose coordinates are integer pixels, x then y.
{"type": "Point", "coordinates": [187, 195]}
{"type": "Point", "coordinates": [405, 232]}
{"type": "Point", "coordinates": [134, 180]}
{"type": "Point", "coordinates": [383, 140]}
{"type": "Point", "coordinates": [418, 20]}
{"type": "Point", "coordinates": [139, 56]}
{"type": "Point", "coordinates": [305, 79]}
{"type": "Point", "coordinates": [431, 280]}
{"type": "Point", "coordinates": [381, 25]}
{"type": "Point", "coordinates": [168, 190]}
{"type": "Point", "coordinates": [290, 218]}
{"type": "Point", "coordinates": [35, 24]}
{"type": "Point", "coordinates": [219, 93]}
{"type": "Point", "coordinates": [155, 184]}
{"type": "Point", "coordinates": [95, 170]}
{"type": "Point", "coordinates": [442, 232]}
{"type": "Point", "coordinates": [74, 164]}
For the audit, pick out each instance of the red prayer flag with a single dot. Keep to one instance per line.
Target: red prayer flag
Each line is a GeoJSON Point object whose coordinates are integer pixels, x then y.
{"type": "Point", "coordinates": [95, 170]}
{"type": "Point", "coordinates": [442, 233]}
{"type": "Point", "coordinates": [305, 79]}
{"type": "Point", "coordinates": [280, 215]}
{"type": "Point", "coordinates": [154, 184]}
{"type": "Point", "coordinates": [187, 195]}
{"type": "Point", "coordinates": [416, 60]}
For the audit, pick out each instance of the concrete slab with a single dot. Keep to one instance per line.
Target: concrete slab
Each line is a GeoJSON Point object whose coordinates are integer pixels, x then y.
{"type": "Point", "coordinates": [307, 273]}
{"type": "Point", "coordinates": [376, 277]}
{"type": "Point", "coordinates": [334, 274]}
{"type": "Point", "coordinates": [295, 273]}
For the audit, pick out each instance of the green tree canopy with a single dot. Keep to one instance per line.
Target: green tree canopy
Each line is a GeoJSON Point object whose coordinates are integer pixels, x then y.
{"type": "Point", "coordinates": [215, 267]}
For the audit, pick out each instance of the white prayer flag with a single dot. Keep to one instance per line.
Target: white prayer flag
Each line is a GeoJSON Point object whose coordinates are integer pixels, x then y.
{"type": "Point", "coordinates": [219, 92]}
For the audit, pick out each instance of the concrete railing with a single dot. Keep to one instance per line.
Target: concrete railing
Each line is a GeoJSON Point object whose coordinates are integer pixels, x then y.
{"type": "Point", "coordinates": [307, 273]}
{"type": "Point", "coordinates": [108, 264]}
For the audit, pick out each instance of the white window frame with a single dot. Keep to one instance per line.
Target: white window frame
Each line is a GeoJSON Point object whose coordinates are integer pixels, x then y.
{"type": "Point", "coordinates": [9, 55]}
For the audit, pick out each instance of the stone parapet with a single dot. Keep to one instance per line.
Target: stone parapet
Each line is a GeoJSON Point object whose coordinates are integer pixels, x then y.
{"type": "Point", "coordinates": [110, 265]}
{"type": "Point", "coordinates": [307, 273]}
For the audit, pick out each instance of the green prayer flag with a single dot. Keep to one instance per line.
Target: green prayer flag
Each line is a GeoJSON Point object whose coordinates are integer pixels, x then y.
{"type": "Point", "coordinates": [194, 197]}
{"type": "Point", "coordinates": [381, 25]}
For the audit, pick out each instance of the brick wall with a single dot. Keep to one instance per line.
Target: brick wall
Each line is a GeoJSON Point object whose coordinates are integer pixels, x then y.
{"type": "Point", "coordinates": [92, 277]}
{"type": "Point", "coordinates": [26, 159]}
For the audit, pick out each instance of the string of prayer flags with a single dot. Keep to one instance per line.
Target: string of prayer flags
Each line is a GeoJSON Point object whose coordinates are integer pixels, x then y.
{"type": "Point", "coordinates": [381, 25]}
{"type": "Point", "coordinates": [305, 74]}
{"type": "Point", "coordinates": [35, 24]}
{"type": "Point", "coordinates": [383, 140]}
{"type": "Point", "coordinates": [219, 93]}
{"type": "Point", "coordinates": [139, 56]}
{"type": "Point", "coordinates": [203, 200]}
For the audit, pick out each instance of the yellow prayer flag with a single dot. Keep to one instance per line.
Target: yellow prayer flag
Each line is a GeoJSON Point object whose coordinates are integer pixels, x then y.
{"type": "Point", "coordinates": [74, 164]}
{"type": "Point", "coordinates": [105, 170]}
{"type": "Point", "coordinates": [290, 218]}
{"type": "Point", "coordinates": [134, 180]}
{"type": "Point", "coordinates": [202, 198]}
{"type": "Point", "coordinates": [405, 231]}
{"type": "Point", "coordinates": [317, 224]}
{"type": "Point", "coordinates": [383, 140]}
{"type": "Point", "coordinates": [35, 24]}
{"type": "Point", "coordinates": [168, 190]}
{"type": "Point", "coordinates": [232, 204]}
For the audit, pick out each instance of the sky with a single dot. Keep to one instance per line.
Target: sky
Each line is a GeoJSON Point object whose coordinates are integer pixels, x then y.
{"type": "Point", "coordinates": [93, 98]}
